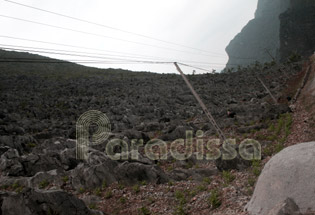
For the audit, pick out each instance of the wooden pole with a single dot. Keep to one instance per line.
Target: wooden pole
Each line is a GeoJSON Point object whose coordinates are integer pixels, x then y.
{"type": "Point", "coordinates": [273, 98]}
{"type": "Point", "coordinates": [203, 106]}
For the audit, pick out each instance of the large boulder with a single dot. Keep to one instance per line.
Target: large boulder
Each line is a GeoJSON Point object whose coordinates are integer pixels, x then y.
{"type": "Point", "coordinates": [289, 174]}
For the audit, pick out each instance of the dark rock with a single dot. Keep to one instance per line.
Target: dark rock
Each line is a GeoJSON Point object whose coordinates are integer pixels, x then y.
{"type": "Point", "coordinates": [38, 202]}
{"type": "Point", "coordinates": [297, 30]}
{"type": "Point", "coordinates": [132, 173]}
{"type": "Point", "coordinates": [195, 174]}
{"type": "Point", "coordinates": [237, 163]}
{"type": "Point", "coordinates": [287, 207]}
{"type": "Point", "coordinates": [259, 36]}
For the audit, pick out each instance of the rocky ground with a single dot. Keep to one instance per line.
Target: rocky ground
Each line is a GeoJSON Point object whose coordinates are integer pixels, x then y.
{"type": "Point", "coordinates": [40, 104]}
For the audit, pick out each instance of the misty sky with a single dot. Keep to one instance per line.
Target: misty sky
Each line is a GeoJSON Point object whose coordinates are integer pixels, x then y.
{"type": "Point", "coordinates": [207, 25]}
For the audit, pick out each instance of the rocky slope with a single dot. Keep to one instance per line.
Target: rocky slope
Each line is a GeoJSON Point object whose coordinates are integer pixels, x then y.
{"type": "Point", "coordinates": [40, 104]}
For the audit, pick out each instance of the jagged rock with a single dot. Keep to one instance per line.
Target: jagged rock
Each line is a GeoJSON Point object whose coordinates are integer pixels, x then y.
{"type": "Point", "coordinates": [195, 174]}
{"type": "Point", "coordinates": [287, 207]}
{"type": "Point", "coordinates": [237, 163]}
{"type": "Point", "coordinates": [9, 163]}
{"type": "Point", "coordinates": [132, 173]}
{"type": "Point", "coordinates": [287, 175]}
{"type": "Point", "coordinates": [297, 29]}
{"type": "Point", "coordinates": [38, 202]}
{"type": "Point", "coordinates": [92, 176]}
{"type": "Point", "coordinates": [34, 163]}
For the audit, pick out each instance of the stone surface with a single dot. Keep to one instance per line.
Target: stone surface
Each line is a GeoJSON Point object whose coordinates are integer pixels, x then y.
{"type": "Point", "coordinates": [287, 207]}
{"type": "Point", "coordinates": [259, 35]}
{"type": "Point", "coordinates": [297, 29]}
{"type": "Point", "coordinates": [289, 174]}
{"type": "Point", "coordinates": [38, 202]}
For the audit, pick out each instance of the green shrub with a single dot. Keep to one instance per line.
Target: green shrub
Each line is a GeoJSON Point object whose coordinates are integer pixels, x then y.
{"type": "Point", "coordinates": [136, 188]}
{"type": "Point", "coordinates": [227, 176]}
{"type": "Point", "coordinates": [81, 190]}
{"type": "Point", "coordinates": [206, 180]}
{"type": "Point", "coordinates": [214, 199]}
{"type": "Point", "coordinates": [144, 211]}
{"type": "Point", "coordinates": [256, 167]}
{"type": "Point", "coordinates": [92, 206]}
{"type": "Point", "coordinates": [31, 145]}
{"type": "Point", "coordinates": [65, 179]}
{"type": "Point", "coordinates": [180, 210]}
{"type": "Point", "coordinates": [143, 182]}
{"type": "Point", "coordinates": [180, 196]}
{"type": "Point", "coordinates": [97, 192]}
{"type": "Point", "coordinates": [123, 200]}
{"type": "Point", "coordinates": [201, 188]}
{"type": "Point", "coordinates": [108, 194]}
{"type": "Point", "coordinates": [43, 184]}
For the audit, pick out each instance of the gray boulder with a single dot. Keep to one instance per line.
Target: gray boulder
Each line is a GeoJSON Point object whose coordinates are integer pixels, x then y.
{"type": "Point", "coordinates": [38, 202]}
{"type": "Point", "coordinates": [289, 174]}
{"type": "Point", "coordinates": [288, 207]}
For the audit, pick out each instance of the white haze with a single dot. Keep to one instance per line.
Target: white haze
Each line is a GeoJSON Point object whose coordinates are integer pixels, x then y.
{"type": "Point", "coordinates": [204, 24]}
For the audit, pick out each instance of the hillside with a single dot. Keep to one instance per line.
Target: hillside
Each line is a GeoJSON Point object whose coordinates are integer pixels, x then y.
{"type": "Point", "coordinates": [41, 103]}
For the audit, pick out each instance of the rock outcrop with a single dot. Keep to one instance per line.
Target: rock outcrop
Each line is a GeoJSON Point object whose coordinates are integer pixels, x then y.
{"type": "Point", "coordinates": [288, 174]}
{"type": "Point", "coordinates": [37, 202]}
{"type": "Point", "coordinates": [259, 36]}
{"type": "Point", "coordinates": [297, 31]}
{"type": "Point", "coordinates": [280, 28]}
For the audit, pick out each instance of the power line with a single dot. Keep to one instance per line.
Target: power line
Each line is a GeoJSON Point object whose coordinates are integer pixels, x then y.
{"type": "Point", "coordinates": [109, 27]}
{"type": "Point", "coordinates": [78, 52]}
{"type": "Point", "coordinates": [74, 46]}
{"type": "Point", "coordinates": [87, 54]}
{"type": "Point", "coordinates": [183, 64]}
{"type": "Point", "coordinates": [100, 35]}
{"type": "Point", "coordinates": [69, 54]}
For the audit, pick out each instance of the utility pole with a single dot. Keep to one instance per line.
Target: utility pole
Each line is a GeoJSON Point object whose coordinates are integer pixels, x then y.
{"type": "Point", "coordinates": [203, 106]}
{"type": "Point", "coordinates": [273, 98]}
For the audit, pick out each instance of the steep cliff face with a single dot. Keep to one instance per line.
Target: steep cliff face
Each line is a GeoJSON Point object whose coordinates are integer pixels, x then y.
{"type": "Point", "coordinates": [259, 36]}
{"type": "Point", "coordinates": [297, 29]}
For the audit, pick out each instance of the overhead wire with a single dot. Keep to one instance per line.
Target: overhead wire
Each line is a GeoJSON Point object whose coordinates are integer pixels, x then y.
{"type": "Point", "coordinates": [74, 46]}
{"type": "Point", "coordinates": [88, 54]}
{"type": "Point", "coordinates": [100, 35]}
{"type": "Point", "coordinates": [109, 27]}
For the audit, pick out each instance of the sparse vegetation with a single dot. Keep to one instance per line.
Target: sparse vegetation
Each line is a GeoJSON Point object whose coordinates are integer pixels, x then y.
{"type": "Point", "coordinates": [206, 180]}
{"type": "Point", "coordinates": [214, 199]}
{"type": "Point", "coordinates": [144, 211]}
{"type": "Point", "coordinates": [108, 194]}
{"type": "Point", "coordinates": [31, 145]}
{"type": "Point", "coordinates": [92, 206]}
{"type": "Point", "coordinates": [136, 188]}
{"type": "Point", "coordinates": [228, 176]}
{"type": "Point", "coordinates": [104, 184]}
{"type": "Point", "coordinates": [43, 184]}
{"type": "Point", "coordinates": [201, 188]}
{"type": "Point", "coordinates": [180, 197]}
{"type": "Point", "coordinates": [256, 167]}
{"type": "Point", "coordinates": [81, 190]}
{"type": "Point", "coordinates": [97, 192]}
{"type": "Point", "coordinates": [122, 200]}
{"type": "Point", "coordinates": [65, 179]}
